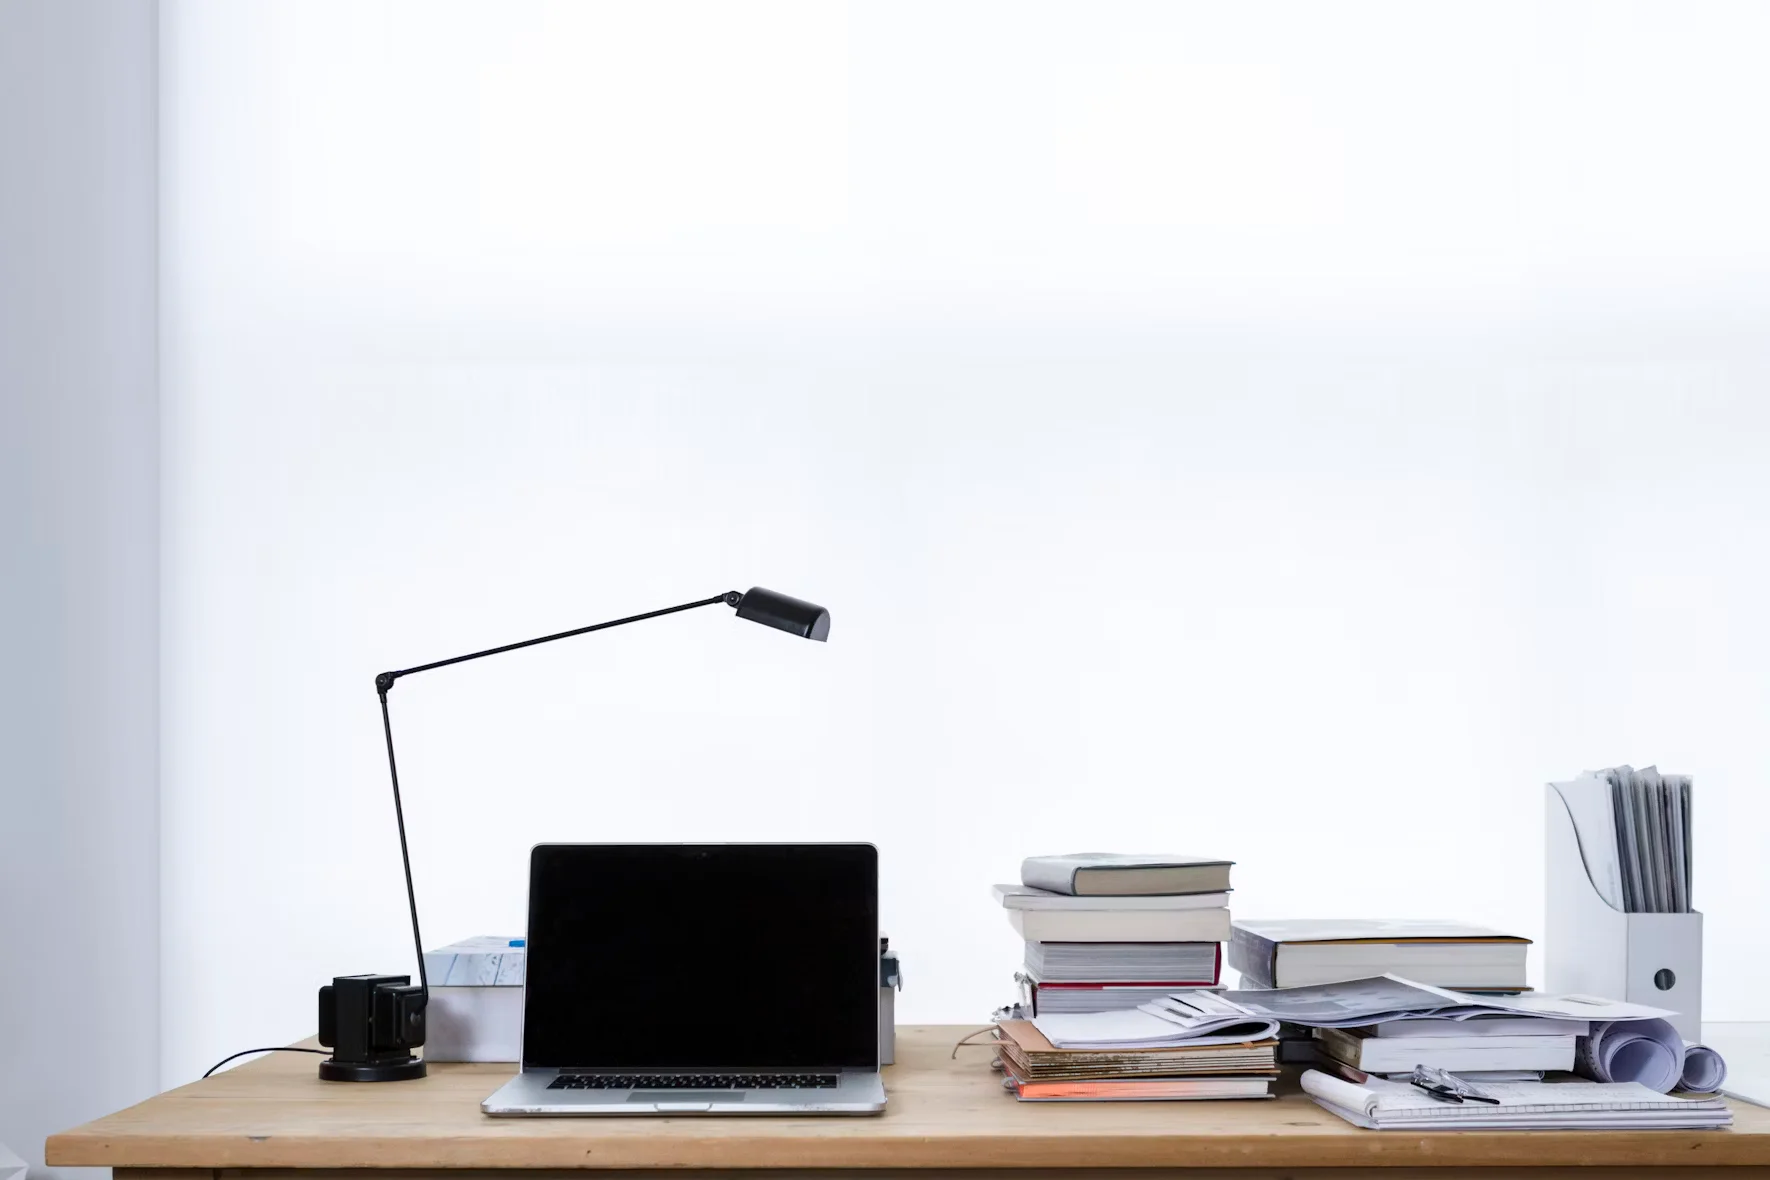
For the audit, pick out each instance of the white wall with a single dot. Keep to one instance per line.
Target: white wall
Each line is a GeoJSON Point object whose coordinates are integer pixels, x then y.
{"type": "Point", "coordinates": [1290, 431]}
{"type": "Point", "coordinates": [79, 841]}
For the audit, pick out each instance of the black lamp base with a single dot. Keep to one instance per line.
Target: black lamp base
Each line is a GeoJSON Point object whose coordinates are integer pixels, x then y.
{"type": "Point", "coordinates": [333, 1070]}
{"type": "Point", "coordinates": [372, 1023]}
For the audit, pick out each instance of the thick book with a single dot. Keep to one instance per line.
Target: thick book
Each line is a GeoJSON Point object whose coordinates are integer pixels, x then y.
{"type": "Point", "coordinates": [1395, 1054]}
{"type": "Point", "coordinates": [1028, 1052]}
{"type": "Point", "coordinates": [1482, 1026]}
{"type": "Point", "coordinates": [1049, 999]}
{"type": "Point", "coordinates": [1141, 1090]}
{"type": "Point", "coordinates": [1198, 964]}
{"type": "Point", "coordinates": [1025, 897]}
{"type": "Point", "coordinates": [1045, 996]}
{"type": "Point", "coordinates": [1300, 952]}
{"type": "Point", "coordinates": [1121, 925]}
{"type": "Point", "coordinates": [1116, 874]}
{"type": "Point", "coordinates": [1133, 1089]}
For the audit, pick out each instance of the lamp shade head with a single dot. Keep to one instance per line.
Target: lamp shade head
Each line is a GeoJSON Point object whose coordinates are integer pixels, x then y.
{"type": "Point", "coordinates": [786, 613]}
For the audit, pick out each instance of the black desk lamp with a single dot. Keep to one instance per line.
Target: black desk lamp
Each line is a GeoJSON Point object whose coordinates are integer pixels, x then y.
{"type": "Point", "coordinates": [373, 1022]}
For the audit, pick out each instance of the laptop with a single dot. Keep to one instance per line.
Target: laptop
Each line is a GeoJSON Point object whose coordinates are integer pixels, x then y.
{"type": "Point", "coordinates": [680, 979]}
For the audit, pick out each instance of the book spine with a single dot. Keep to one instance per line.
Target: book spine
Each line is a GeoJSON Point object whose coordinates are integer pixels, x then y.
{"type": "Point", "coordinates": [1341, 1046]}
{"type": "Point", "coordinates": [1039, 873]}
{"type": "Point", "coordinates": [1254, 956]}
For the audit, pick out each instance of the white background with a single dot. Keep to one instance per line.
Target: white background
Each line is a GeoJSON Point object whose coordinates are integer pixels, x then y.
{"type": "Point", "coordinates": [1289, 432]}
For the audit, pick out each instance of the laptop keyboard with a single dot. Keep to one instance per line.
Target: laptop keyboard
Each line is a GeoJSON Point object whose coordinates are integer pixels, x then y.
{"type": "Point", "coordinates": [693, 1081]}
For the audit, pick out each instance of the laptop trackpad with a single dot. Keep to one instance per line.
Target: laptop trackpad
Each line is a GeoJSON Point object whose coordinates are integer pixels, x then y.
{"type": "Point", "coordinates": [682, 1098]}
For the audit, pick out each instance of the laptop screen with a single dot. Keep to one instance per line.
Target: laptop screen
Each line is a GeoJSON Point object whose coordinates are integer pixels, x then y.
{"type": "Point", "coordinates": [673, 956]}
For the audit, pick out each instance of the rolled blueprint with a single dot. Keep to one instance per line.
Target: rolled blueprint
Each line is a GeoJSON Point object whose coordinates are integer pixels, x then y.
{"type": "Point", "coordinates": [1647, 1051]}
{"type": "Point", "coordinates": [1704, 1071]}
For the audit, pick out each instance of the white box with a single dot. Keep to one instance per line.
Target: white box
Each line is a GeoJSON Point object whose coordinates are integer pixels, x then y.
{"type": "Point", "coordinates": [1593, 948]}
{"type": "Point", "coordinates": [11, 1167]}
{"type": "Point", "coordinates": [475, 1011]}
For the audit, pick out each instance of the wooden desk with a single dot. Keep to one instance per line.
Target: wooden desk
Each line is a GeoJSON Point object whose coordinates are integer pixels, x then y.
{"type": "Point", "coordinates": [274, 1115]}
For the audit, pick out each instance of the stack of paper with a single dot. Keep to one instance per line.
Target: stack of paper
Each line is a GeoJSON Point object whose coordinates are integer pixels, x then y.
{"type": "Point", "coordinates": [1622, 1043]}
{"type": "Point", "coordinates": [1038, 1071]}
{"type": "Point", "coordinates": [1360, 1002]}
{"type": "Point", "coordinates": [1382, 1105]}
{"type": "Point", "coordinates": [1634, 835]}
{"type": "Point", "coordinates": [1187, 1018]}
{"type": "Point", "coordinates": [1029, 1051]}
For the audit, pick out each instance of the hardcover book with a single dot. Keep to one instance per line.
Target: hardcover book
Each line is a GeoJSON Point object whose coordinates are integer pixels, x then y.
{"type": "Point", "coordinates": [1095, 874]}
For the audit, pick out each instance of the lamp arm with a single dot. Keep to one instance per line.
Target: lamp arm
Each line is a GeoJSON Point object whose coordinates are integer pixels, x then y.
{"type": "Point", "coordinates": [384, 683]}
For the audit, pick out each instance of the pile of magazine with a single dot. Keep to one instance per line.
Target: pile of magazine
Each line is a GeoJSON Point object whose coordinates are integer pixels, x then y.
{"type": "Point", "coordinates": [1631, 1059]}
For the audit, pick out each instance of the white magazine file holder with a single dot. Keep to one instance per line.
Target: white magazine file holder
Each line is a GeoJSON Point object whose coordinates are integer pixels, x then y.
{"type": "Point", "coordinates": [1595, 949]}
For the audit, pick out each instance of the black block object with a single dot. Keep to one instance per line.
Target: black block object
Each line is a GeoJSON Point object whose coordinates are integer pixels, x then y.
{"type": "Point", "coordinates": [805, 619]}
{"type": "Point", "coordinates": [373, 1022]}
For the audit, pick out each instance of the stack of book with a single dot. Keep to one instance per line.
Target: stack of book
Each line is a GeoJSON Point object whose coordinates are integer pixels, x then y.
{"type": "Point", "coordinates": [1494, 1048]}
{"type": "Point", "coordinates": [1304, 952]}
{"type": "Point", "coordinates": [1430, 1038]}
{"type": "Point", "coordinates": [1108, 931]}
{"type": "Point", "coordinates": [1036, 1070]}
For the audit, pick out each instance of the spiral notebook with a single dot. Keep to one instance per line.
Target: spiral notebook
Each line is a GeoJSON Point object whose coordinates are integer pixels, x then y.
{"type": "Point", "coordinates": [1382, 1105]}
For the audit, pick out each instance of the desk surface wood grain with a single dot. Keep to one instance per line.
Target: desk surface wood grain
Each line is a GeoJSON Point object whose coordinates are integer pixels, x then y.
{"type": "Point", "coordinates": [943, 1114]}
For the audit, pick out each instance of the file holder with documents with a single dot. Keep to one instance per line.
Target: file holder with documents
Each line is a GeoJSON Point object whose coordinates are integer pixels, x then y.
{"type": "Point", "coordinates": [1594, 948]}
